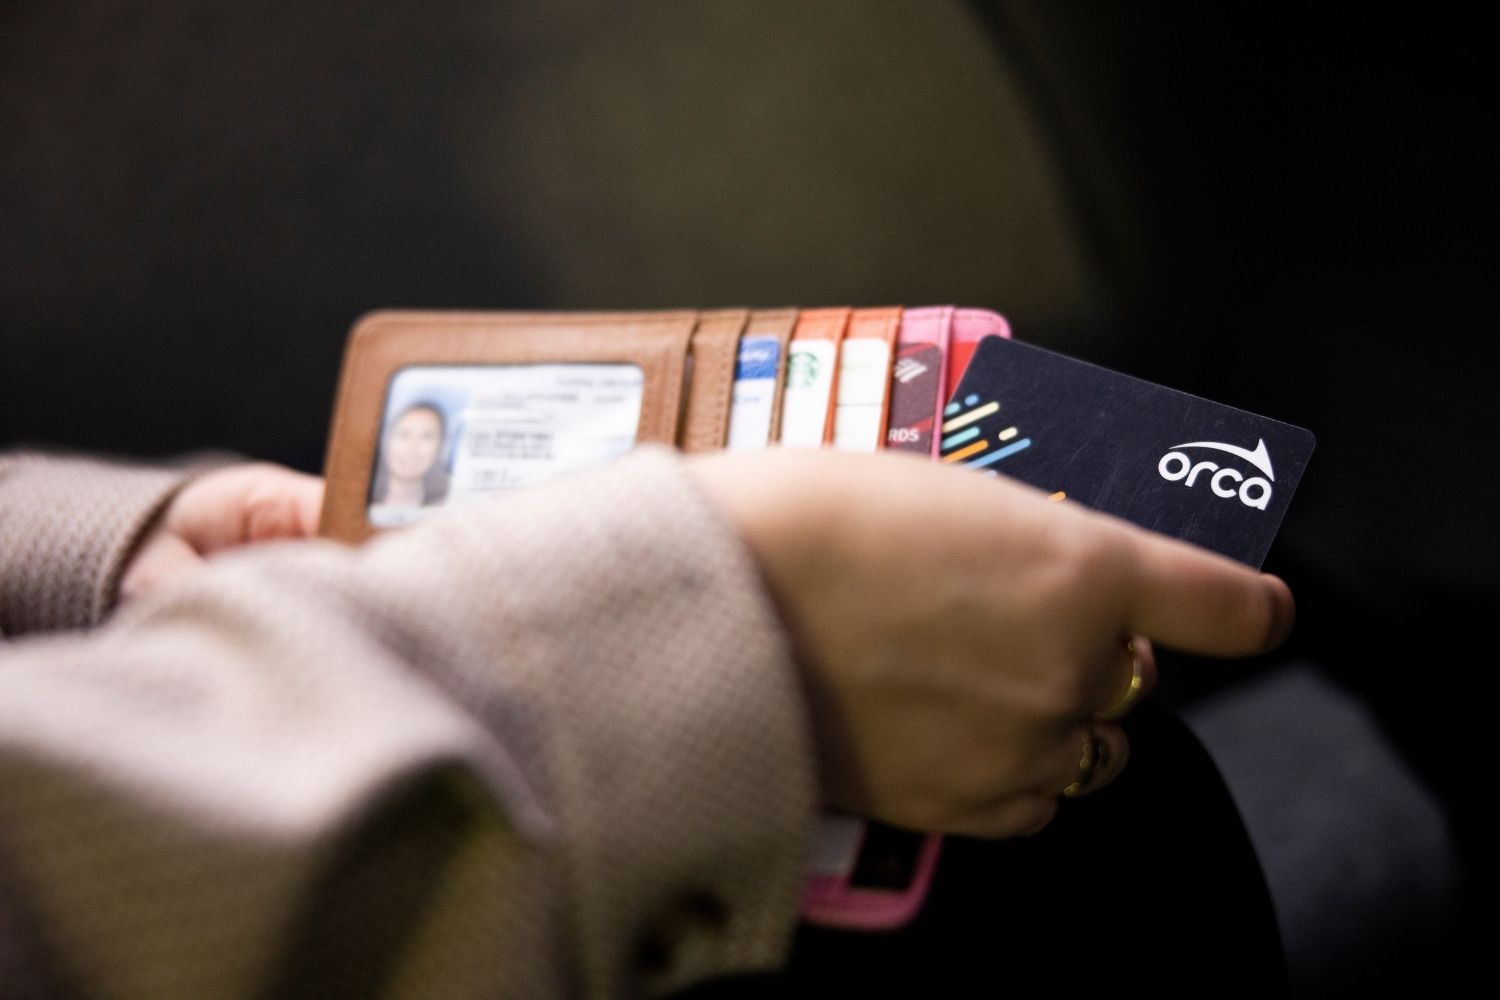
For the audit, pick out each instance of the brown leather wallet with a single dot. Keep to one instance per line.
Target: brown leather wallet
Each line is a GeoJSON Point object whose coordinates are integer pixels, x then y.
{"type": "Point", "coordinates": [443, 405]}
{"type": "Point", "coordinates": [650, 347]}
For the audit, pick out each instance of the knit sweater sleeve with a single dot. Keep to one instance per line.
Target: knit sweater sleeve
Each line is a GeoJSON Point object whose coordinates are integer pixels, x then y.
{"type": "Point", "coordinates": [67, 526]}
{"type": "Point", "coordinates": [550, 745]}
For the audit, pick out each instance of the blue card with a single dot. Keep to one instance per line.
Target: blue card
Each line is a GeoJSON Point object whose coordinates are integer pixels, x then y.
{"type": "Point", "coordinates": [753, 402]}
{"type": "Point", "coordinates": [1169, 461]}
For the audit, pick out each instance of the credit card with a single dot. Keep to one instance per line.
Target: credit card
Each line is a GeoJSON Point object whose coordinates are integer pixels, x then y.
{"type": "Point", "coordinates": [1169, 461]}
{"type": "Point", "coordinates": [752, 403]}
{"type": "Point", "coordinates": [919, 380]}
{"type": "Point", "coordinates": [863, 388]}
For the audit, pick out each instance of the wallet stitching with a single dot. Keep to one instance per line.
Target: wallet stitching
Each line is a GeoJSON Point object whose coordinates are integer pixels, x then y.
{"type": "Point", "coordinates": [724, 341]}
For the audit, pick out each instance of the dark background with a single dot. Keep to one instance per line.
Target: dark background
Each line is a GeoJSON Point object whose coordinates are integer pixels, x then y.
{"type": "Point", "coordinates": [1283, 210]}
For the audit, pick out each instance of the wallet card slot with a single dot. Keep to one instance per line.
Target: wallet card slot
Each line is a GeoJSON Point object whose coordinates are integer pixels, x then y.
{"type": "Point", "coordinates": [807, 405]}
{"type": "Point", "coordinates": [712, 353]}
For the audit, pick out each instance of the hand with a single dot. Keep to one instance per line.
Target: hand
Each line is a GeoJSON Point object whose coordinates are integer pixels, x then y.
{"type": "Point", "coordinates": [960, 635]}
{"type": "Point", "coordinates": [229, 507]}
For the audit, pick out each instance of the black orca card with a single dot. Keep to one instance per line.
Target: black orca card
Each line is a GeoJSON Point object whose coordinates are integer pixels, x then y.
{"type": "Point", "coordinates": [1169, 461]}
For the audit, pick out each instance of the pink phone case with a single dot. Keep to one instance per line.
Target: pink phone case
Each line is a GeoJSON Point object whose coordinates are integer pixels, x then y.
{"type": "Point", "coordinates": [840, 900]}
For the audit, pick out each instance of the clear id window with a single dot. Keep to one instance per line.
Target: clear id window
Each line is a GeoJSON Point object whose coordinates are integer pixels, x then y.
{"type": "Point", "coordinates": [455, 433]}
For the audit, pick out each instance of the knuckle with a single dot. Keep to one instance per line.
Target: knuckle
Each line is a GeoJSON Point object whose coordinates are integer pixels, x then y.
{"type": "Point", "coordinates": [1067, 548]}
{"type": "Point", "coordinates": [268, 515]}
{"type": "Point", "coordinates": [1067, 688]}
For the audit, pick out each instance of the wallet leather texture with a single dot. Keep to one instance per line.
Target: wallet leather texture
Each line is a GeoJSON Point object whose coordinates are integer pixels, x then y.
{"type": "Point", "coordinates": [714, 346]}
{"type": "Point", "coordinates": [777, 323]}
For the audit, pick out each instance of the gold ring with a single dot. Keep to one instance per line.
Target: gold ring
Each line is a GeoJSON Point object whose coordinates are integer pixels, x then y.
{"type": "Point", "coordinates": [1133, 691]}
{"type": "Point", "coordinates": [1086, 764]}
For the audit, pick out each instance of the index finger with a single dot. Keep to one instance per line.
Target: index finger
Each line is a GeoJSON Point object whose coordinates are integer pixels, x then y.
{"type": "Point", "coordinates": [1198, 601]}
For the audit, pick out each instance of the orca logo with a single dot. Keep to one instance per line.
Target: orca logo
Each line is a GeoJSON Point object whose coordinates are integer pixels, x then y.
{"type": "Point", "coordinates": [1254, 491]}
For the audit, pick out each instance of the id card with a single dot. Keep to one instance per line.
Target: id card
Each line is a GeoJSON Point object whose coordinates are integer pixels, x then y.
{"type": "Point", "coordinates": [456, 433]}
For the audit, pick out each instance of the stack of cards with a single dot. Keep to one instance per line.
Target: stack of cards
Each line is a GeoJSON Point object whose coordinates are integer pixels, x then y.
{"type": "Point", "coordinates": [441, 408]}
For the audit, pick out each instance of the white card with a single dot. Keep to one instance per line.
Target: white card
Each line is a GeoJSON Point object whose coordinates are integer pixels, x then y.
{"type": "Point", "coordinates": [810, 371]}
{"type": "Point", "coordinates": [864, 387]}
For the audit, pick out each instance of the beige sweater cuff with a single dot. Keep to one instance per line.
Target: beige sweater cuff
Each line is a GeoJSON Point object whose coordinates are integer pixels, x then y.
{"type": "Point", "coordinates": [600, 654]}
{"type": "Point", "coordinates": [67, 526]}
{"type": "Point", "coordinates": [670, 708]}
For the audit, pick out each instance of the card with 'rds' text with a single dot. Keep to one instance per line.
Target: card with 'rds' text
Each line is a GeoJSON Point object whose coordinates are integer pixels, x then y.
{"type": "Point", "coordinates": [1175, 463]}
